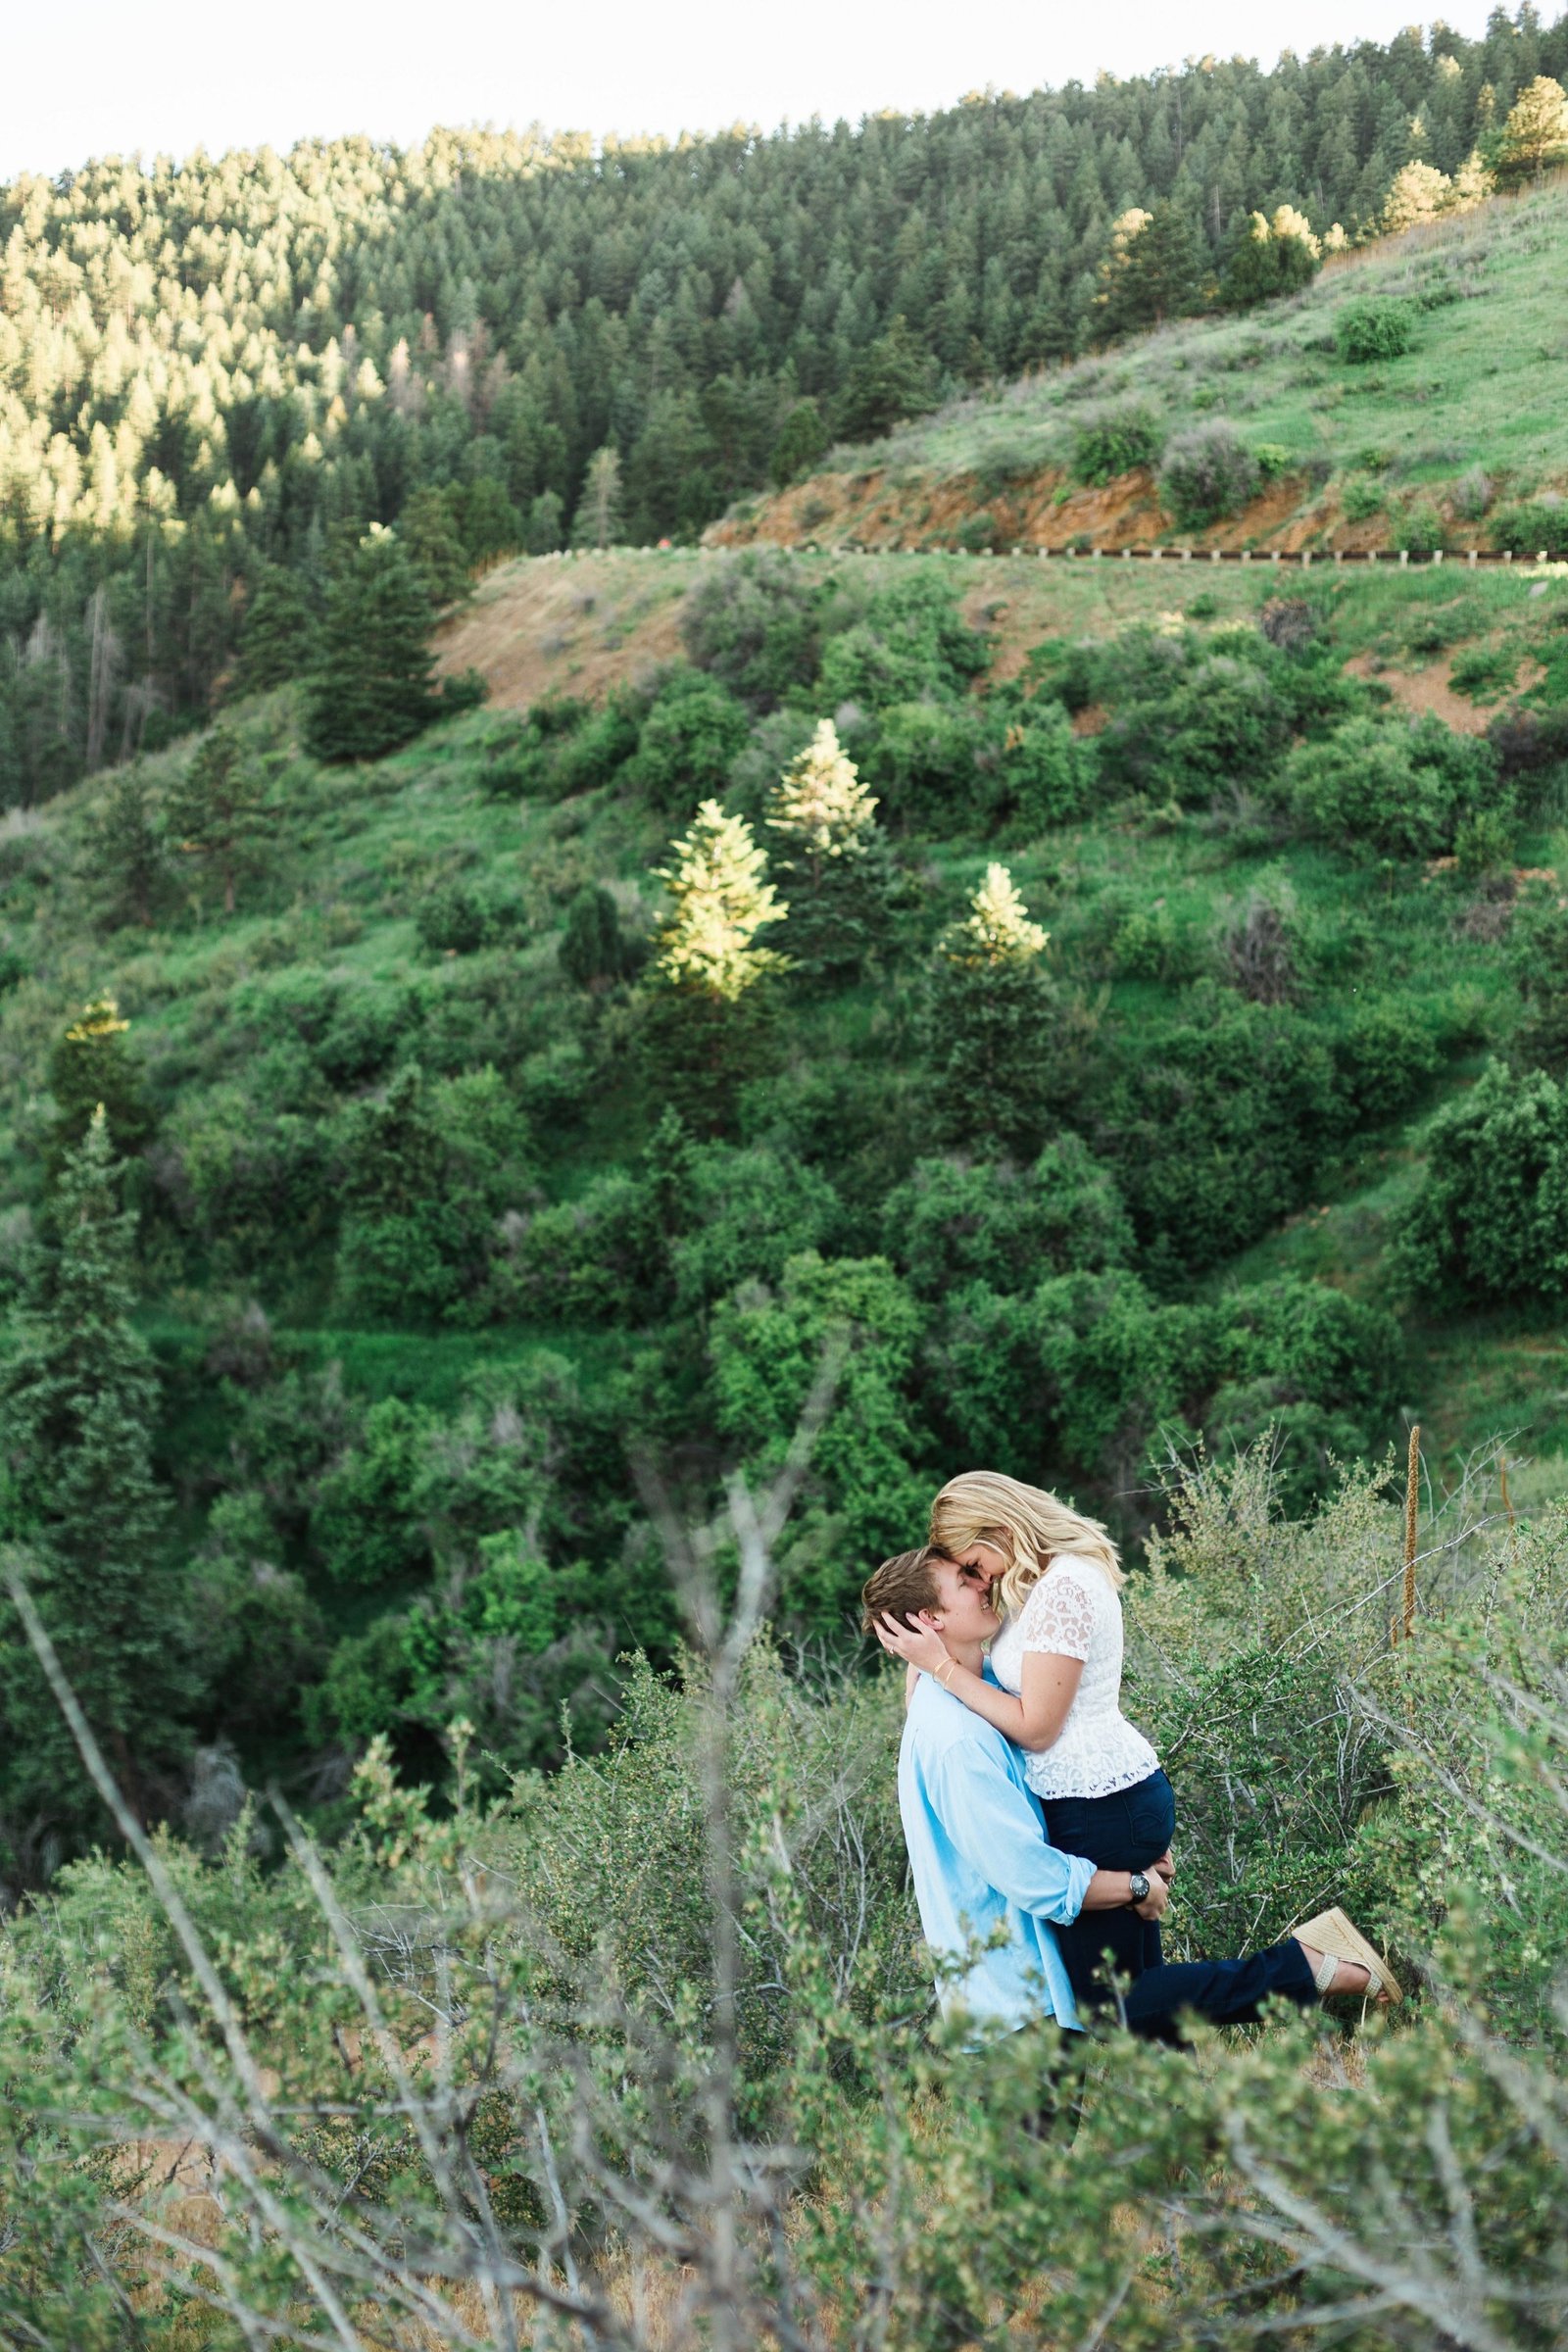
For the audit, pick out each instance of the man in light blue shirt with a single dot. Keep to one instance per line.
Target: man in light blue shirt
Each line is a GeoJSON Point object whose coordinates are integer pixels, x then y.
{"type": "Point", "coordinates": [984, 1874]}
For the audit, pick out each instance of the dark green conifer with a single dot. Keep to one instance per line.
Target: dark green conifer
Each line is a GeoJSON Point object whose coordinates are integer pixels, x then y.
{"type": "Point", "coordinates": [370, 690]}
{"type": "Point", "coordinates": [892, 378]}
{"type": "Point", "coordinates": [127, 863]}
{"type": "Point", "coordinates": [435, 546]}
{"type": "Point", "coordinates": [275, 641]}
{"type": "Point", "coordinates": [78, 1405]}
{"type": "Point", "coordinates": [801, 440]}
{"type": "Point", "coordinates": [91, 1069]}
{"type": "Point", "coordinates": [594, 950]}
{"type": "Point", "coordinates": [217, 811]}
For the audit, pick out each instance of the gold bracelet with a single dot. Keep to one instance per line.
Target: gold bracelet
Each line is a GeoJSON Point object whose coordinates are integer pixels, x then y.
{"type": "Point", "coordinates": [944, 1669]}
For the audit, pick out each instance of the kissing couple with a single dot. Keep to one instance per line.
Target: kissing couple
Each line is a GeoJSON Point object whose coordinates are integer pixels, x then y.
{"type": "Point", "coordinates": [1037, 1820]}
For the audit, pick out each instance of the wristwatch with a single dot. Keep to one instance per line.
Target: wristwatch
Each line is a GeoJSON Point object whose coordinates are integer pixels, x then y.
{"type": "Point", "coordinates": [1140, 1885]}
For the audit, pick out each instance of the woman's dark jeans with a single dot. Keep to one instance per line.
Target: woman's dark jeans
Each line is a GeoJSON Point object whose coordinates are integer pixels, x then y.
{"type": "Point", "coordinates": [1127, 1830]}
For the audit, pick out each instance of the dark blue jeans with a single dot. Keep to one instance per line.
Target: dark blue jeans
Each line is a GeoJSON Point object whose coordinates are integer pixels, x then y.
{"type": "Point", "coordinates": [1227, 1993]}
{"type": "Point", "coordinates": [1127, 1830]}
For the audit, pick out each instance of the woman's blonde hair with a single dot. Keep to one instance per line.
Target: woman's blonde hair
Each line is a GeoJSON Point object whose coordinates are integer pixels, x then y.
{"type": "Point", "coordinates": [1025, 1524]}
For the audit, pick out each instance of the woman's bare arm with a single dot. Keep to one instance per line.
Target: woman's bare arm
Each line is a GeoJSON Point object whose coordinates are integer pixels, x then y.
{"type": "Point", "coordinates": [1033, 1719]}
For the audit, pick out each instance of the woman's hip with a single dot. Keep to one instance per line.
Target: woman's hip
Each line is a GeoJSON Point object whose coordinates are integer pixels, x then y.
{"type": "Point", "coordinates": [1125, 1830]}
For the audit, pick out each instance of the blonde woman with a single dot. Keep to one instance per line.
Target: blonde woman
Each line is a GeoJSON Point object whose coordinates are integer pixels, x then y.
{"type": "Point", "coordinates": [1057, 1692]}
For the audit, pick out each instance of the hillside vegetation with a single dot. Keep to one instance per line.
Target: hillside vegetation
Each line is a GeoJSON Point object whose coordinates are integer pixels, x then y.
{"type": "Point", "coordinates": [479, 1140]}
{"type": "Point", "coordinates": [529, 1148]}
{"type": "Point", "coordinates": [1270, 430]}
{"type": "Point", "coordinates": [214, 372]}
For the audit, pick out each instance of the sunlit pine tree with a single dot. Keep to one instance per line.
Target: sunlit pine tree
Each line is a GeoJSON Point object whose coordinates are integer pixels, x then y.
{"type": "Point", "coordinates": [721, 902]}
{"type": "Point", "coordinates": [831, 859]}
{"type": "Point", "coordinates": [708, 1011]}
{"type": "Point", "coordinates": [991, 1047]}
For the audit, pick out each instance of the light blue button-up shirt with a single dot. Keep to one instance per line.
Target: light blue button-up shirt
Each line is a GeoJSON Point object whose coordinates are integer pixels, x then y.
{"type": "Point", "coordinates": [978, 1853]}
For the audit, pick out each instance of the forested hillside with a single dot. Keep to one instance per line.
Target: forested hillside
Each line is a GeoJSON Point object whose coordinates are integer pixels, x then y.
{"type": "Point", "coordinates": [965, 976]}
{"type": "Point", "coordinates": [209, 371]}
{"type": "Point", "coordinates": [499, 1039]}
{"type": "Point", "coordinates": [1399, 401]}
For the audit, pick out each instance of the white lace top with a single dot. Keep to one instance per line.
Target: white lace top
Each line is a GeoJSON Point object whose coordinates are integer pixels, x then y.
{"type": "Point", "coordinates": [1074, 1612]}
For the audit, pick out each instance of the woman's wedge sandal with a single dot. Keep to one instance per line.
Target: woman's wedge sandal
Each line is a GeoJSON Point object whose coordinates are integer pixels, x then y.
{"type": "Point", "coordinates": [1339, 1938]}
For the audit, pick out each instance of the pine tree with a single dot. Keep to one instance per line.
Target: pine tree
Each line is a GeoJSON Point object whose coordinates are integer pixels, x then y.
{"type": "Point", "coordinates": [275, 639]}
{"type": "Point", "coordinates": [721, 904]}
{"type": "Point", "coordinates": [1273, 257]}
{"type": "Point", "coordinates": [127, 863]}
{"type": "Point", "coordinates": [595, 953]}
{"type": "Point", "coordinates": [598, 522]}
{"type": "Point", "coordinates": [217, 811]}
{"type": "Point", "coordinates": [997, 933]}
{"type": "Point", "coordinates": [831, 859]}
{"type": "Point", "coordinates": [801, 440]}
{"type": "Point", "coordinates": [370, 690]}
{"type": "Point", "coordinates": [706, 1017]}
{"type": "Point", "coordinates": [435, 546]}
{"type": "Point", "coordinates": [1153, 268]}
{"type": "Point", "coordinates": [991, 1018]}
{"type": "Point", "coordinates": [892, 379]}
{"type": "Point", "coordinates": [78, 1405]}
{"type": "Point", "coordinates": [1534, 138]}
{"type": "Point", "coordinates": [89, 1070]}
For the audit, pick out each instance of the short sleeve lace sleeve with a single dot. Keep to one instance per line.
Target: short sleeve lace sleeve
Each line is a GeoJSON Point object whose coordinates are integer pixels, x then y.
{"type": "Point", "coordinates": [1058, 1615]}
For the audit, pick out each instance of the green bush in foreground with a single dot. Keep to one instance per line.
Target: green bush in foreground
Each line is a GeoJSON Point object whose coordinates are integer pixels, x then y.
{"type": "Point", "coordinates": [424, 2067]}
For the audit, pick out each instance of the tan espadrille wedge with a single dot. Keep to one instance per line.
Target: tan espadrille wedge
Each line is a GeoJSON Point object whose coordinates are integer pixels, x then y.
{"type": "Point", "coordinates": [1339, 1938]}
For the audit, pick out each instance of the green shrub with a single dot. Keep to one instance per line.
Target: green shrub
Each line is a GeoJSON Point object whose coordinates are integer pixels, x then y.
{"type": "Point", "coordinates": [1362, 499]}
{"type": "Point", "coordinates": [936, 768]}
{"type": "Point", "coordinates": [1192, 713]}
{"type": "Point", "coordinates": [1205, 475]}
{"type": "Point", "coordinates": [1217, 1130]}
{"type": "Point", "coordinates": [1083, 1370]}
{"type": "Point", "coordinates": [254, 1186]}
{"type": "Point", "coordinates": [601, 1259]}
{"type": "Point", "coordinates": [1379, 328]}
{"type": "Point", "coordinates": [955, 1222]}
{"type": "Point", "coordinates": [977, 533]}
{"type": "Point", "coordinates": [911, 644]}
{"type": "Point", "coordinates": [1490, 1222]}
{"type": "Point", "coordinates": [1048, 773]}
{"type": "Point", "coordinates": [685, 743]}
{"type": "Point", "coordinates": [752, 621]}
{"type": "Point", "coordinates": [1384, 1057]}
{"type": "Point", "coordinates": [1538, 958]}
{"type": "Point", "coordinates": [1419, 530]}
{"type": "Point", "coordinates": [866, 1486]}
{"type": "Point", "coordinates": [1398, 787]}
{"type": "Point", "coordinates": [460, 917]}
{"type": "Point", "coordinates": [426, 1174]}
{"type": "Point", "coordinates": [744, 1213]}
{"type": "Point", "coordinates": [1114, 440]}
{"type": "Point", "coordinates": [1535, 526]}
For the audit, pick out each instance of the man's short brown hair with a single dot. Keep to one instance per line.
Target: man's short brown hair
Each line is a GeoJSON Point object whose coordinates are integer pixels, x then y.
{"type": "Point", "coordinates": [900, 1588]}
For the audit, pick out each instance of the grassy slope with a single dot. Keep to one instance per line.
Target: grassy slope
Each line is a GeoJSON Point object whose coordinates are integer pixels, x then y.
{"type": "Point", "coordinates": [365, 846]}
{"type": "Point", "coordinates": [1483, 384]}
{"type": "Point", "coordinates": [575, 626]}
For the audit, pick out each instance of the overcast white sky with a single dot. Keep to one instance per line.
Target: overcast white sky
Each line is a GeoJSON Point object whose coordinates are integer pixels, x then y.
{"type": "Point", "coordinates": [94, 79]}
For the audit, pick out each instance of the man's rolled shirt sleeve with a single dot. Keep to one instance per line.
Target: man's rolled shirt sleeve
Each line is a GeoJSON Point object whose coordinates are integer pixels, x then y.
{"type": "Point", "coordinates": [997, 1828]}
